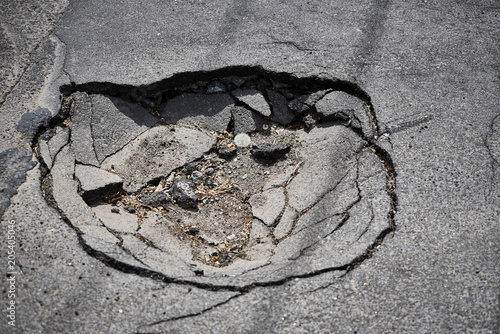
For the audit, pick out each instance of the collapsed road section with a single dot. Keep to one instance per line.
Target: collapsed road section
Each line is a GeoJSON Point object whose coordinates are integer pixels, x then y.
{"type": "Point", "coordinates": [225, 179]}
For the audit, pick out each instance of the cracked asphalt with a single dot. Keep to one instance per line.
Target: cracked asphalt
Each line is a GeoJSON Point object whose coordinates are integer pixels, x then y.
{"type": "Point", "coordinates": [427, 254]}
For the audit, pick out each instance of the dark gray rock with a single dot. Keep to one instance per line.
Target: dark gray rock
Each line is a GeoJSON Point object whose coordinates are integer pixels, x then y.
{"type": "Point", "coordinates": [281, 113]}
{"type": "Point", "coordinates": [155, 199]}
{"type": "Point", "coordinates": [31, 121]}
{"type": "Point", "coordinates": [210, 112]}
{"type": "Point", "coordinates": [304, 103]}
{"type": "Point", "coordinates": [226, 152]}
{"type": "Point", "coordinates": [246, 121]}
{"type": "Point", "coordinates": [196, 177]}
{"type": "Point", "coordinates": [209, 182]}
{"type": "Point", "coordinates": [14, 163]}
{"type": "Point", "coordinates": [183, 193]}
{"type": "Point", "coordinates": [254, 99]}
{"type": "Point", "coordinates": [270, 151]}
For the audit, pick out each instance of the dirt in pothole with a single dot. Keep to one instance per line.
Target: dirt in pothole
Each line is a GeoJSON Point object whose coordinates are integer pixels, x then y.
{"type": "Point", "coordinates": [219, 227]}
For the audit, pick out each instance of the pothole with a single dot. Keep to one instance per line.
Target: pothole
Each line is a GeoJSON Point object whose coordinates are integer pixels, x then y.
{"type": "Point", "coordinates": [228, 178]}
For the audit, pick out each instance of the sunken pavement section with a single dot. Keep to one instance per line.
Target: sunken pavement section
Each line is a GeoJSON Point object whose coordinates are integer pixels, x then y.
{"type": "Point", "coordinates": [232, 181]}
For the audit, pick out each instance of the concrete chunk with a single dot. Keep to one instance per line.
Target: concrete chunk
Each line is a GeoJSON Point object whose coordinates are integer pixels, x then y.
{"type": "Point", "coordinates": [254, 99]}
{"type": "Point", "coordinates": [210, 112]}
{"type": "Point", "coordinates": [96, 183]}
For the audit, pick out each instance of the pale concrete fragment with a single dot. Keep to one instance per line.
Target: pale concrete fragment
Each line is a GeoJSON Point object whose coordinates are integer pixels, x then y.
{"type": "Point", "coordinates": [65, 191]}
{"type": "Point", "coordinates": [81, 131]}
{"type": "Point", "coordinates": [115, 123]}
{"type": "Point", "coordinates": [156, 153]}
{"type": "Point", "coordinates": [96, 183]}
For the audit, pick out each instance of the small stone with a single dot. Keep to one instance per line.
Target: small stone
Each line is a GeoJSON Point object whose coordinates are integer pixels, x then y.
{"type": "Point", "coordinates": [310, 121]}
{"type": "Point", "coordinates": [129, 209]}
{"type": "Point", "coordinates": [183, 192]}
{"type": "Point", "coordinates": [154, 199]}
{"type": "Point", "coordinates": [223, 258]}
{"type": "Point", "coordinates": [226, 152]}
{"type": "Point", "coordinates": [270, 151]}
{"type": "Point", "coordinates": [193, 230]}
{"type": "Point", "coordinates": [209, 182]}
{"type": "Point", "coordinates": [115, 210]}
{"type": "Point", "coordinates": [196, 177]}
{"type": "Point", "coordinates": [216, 87]}
{"type": "Point", "coordinates": [209, 171]}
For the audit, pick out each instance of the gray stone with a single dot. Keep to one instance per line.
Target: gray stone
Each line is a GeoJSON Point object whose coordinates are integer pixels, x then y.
{"type": "Point", "coordinates": [281, 113]}
{"type": "Point", "coordinates": [270, 151]}
{"type": "Point", "coordinates": [82, 142]}
{"type": "Point", "coordinates": [196, 177]}
{"type": "Point", "coordinates": [95, 183]}
{"type": "Point", "coordinates": [115, 123]}
{"type": "Point", "coordinates": [246, 121]}
{"type": "Point", "coordinates": [268, 205]}
{"type": "Point", "coordinates": [210, 112]}
{"type": "Point", "coordinates": [254, 99]}
{"type": "Point", "coordinates": [156, 153]}
{"type": "Point", "coordinates": [183, 193]}
{"type": "Point", "coordinates": [14, 163]}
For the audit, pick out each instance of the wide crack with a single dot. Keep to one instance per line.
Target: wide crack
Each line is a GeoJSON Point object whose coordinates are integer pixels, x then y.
{"type": "Point", "coordinates": [168, 190]}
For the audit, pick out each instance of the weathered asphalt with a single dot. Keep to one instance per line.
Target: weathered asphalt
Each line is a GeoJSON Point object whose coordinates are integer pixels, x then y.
{"type": "Point", "coordinates": [432, 73]}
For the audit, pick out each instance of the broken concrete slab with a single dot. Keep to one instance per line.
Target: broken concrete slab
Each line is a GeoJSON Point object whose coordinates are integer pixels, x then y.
{"type": "Point", "coordinates": [301, 104]}
{"type": "Point", "coordinates": [82, 141]}
{"type": "Point", "coordinates": [156, 153]}
{"type": "Point", "coordinates": [246, 121]}
{"type": "Point", "coordinates": [64, 190]}
{"type": "Point", "coordinates": [339, 104]}
{"type": "Point", "coordinates": [324, 168]}
{"type": "Point", "coordinates": [209, 112]}
{"type": "Point", "coordinates": [268, 205]}
{"type": "Point", "coordinates": [115, 123]}
{"type": "Point", "coordinates": [96, 183]}
{"type": "Point", "coordinates": [254, 99]}
{"type": "Point", "coordinates": [280, 111]}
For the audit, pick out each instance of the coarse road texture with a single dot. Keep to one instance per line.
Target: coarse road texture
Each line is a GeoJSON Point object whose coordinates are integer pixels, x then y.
{"type": "Point", "coordinates": [431, 72]}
